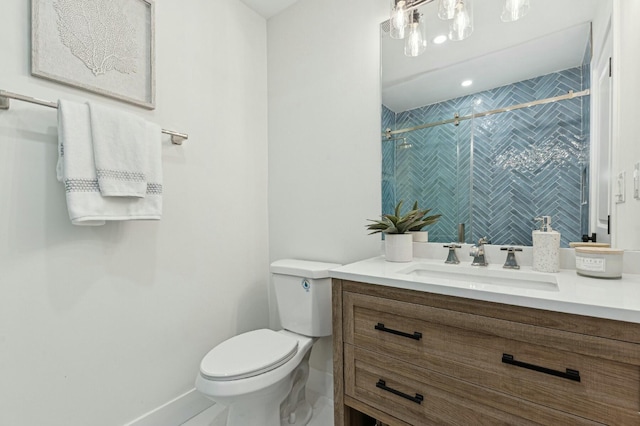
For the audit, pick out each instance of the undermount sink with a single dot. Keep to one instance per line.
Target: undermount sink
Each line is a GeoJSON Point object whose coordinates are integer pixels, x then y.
{"type": "Point", "coordinates": [483, 276]}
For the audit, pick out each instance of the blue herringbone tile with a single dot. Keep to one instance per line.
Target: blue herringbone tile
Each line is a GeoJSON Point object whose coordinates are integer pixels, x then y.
{"type": "Point", "coordinates": [525, 163]}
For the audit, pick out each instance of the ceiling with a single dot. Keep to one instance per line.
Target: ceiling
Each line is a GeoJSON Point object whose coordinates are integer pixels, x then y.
{"type": "Point", "coordinates": [552, 37]}
{"type": "Point", "coordinates": [268, 8]}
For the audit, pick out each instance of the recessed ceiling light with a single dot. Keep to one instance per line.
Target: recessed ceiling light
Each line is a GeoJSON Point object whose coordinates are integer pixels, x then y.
{"type": "Point", "coordinates": [440, 39]}
{"type": "Point", "coordinates": [466, 83]}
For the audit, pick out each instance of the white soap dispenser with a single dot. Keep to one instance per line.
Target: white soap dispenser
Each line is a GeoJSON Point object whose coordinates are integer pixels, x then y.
{"type": "Point", "coordinates": [546, 247]}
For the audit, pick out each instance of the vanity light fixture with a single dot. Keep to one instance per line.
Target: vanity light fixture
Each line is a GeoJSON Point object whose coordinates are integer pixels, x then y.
{"type": "Point", "coordinates": [446, 9]}
{"type": "Point", "coordinates": [399, 19]}
{"type": "Point", "coordinates": [514, 10]}
{"type": "Point", "coordinates": [415, 43]}
{"type": "Point", "coordinates": [407, 22]}
{"type": "Point", "coordinates": [462, 24]}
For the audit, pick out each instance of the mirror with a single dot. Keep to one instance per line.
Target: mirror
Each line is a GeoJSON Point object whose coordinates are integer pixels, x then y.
{"type": "Point", "coordinates": [494, 170]}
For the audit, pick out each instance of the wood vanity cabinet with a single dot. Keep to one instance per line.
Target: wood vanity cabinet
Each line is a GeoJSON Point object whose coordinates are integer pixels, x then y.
{"type": "Point", "coordinates": [408, 357]}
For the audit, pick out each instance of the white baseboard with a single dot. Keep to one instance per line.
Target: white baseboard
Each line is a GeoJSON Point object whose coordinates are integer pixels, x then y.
{"type": "Point", "coordinates": [175, 412]}
{"type": "Point", "coordinates": [188, 405]}
{"type": "Point", "coordinates": [214, 416]}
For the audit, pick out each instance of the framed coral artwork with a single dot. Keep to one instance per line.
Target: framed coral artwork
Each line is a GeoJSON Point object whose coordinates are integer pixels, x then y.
{"type": "Point", "coordinates": [104, 46]}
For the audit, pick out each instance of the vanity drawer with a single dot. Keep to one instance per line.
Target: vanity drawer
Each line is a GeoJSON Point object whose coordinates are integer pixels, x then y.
{"type": "Point", "coordinates": [423, 397]}
{"type": "Point", "coordinates": [511, 358]}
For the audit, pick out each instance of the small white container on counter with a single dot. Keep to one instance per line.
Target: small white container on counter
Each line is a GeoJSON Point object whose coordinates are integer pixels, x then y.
{"type": "Point", "coordinates": [599, 262]}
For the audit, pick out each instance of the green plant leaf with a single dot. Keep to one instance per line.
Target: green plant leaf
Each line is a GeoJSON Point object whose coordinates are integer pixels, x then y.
{"type": "Point", "coordinates": [396, 223]}
{"type": "Point", "coordinates": [398, 206]}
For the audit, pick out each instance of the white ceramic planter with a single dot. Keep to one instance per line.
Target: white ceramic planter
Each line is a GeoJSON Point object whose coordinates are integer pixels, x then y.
{"type": "Point", "coordinates": [398, 247]}
{"type": "Point", "coordinates": [420, 236]}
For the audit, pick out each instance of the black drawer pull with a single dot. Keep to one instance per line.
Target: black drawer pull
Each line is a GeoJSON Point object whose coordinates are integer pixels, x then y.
{"type": "Point", "coordinates": [570, 374]}
{"type": "Point", "coordinates": [416, 336]}
{"type": "Point", "coordinates": [383, 385]}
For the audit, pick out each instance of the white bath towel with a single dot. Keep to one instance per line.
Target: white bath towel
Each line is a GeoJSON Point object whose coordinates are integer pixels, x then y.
{"type": "Point", "coordinates": [120, 151]}
{"type": "Point", "coordinates": [85, 204]}
{"type": "Point", "coordinates": [76, 168]}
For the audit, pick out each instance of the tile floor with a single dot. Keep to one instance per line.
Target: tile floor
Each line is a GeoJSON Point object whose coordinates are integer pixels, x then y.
{"type": "Point", "coordinates": [322, 412]}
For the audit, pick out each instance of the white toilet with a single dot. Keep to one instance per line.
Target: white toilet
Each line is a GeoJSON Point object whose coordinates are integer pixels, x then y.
{"type": "Point", "coordinates": [260, 376]}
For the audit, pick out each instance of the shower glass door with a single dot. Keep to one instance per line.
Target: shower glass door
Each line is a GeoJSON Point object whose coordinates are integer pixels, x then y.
{"type": "Point", "coordinates": [430, 166]}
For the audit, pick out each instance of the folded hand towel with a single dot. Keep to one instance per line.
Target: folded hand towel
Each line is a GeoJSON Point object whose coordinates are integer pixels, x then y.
{"type": "Point", "coordinates": [85, 203]}
{"type": "Point", "coordinates": [154, 167]}
{"type": "Point", "coordinates": [76, 168]}
{"type": "Point", "coordinates": [120, 151]}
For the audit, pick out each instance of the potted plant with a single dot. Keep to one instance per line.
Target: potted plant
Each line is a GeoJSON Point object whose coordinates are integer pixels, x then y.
{"type": "Point", "coordinates": [398, 241]}
{"type": "Point", "coordinates": [417, 230]}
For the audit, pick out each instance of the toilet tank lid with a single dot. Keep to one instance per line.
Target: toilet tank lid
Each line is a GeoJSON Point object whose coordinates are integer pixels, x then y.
{"type": "Point", "coordinates": [302, 268]}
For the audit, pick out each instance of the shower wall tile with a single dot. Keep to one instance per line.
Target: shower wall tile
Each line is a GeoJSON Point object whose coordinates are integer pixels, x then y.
{"type": "Point", "coordinates": [496, 173]}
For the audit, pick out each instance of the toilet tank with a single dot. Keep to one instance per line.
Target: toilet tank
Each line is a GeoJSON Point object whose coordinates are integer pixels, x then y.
{"type": "Point", "coordinates": [303, 294]}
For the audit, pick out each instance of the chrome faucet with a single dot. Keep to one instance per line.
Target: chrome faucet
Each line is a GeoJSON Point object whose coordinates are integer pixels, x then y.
{"type": "Point", "coordinates": [511, 262]}
{"type": "Point", "coordinates": [477, 251]}
{"type": "Point", "coordinates": [452, 257]}
{"type": "Point", "coordinates": [461, 238]}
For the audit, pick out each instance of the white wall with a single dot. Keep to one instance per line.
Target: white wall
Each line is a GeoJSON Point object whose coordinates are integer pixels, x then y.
{"type": "Point", "coordinates": [324, 129]}
{"type": "Point", "coordinates": [324, 133]}
{"type": "Point", "coordinates": [626, 45]}
{"type": "Point", "coordinates": [100, 325]}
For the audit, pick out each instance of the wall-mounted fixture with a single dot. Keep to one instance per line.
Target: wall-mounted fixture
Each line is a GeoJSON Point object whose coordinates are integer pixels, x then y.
{"type": "Point", "coordinates": [461, 25]}
{"type": "Point", "coordinates": [514, 10]}
{"type": "Point", "coordinates": [176, 137]}
{"type": "Point", "coordinates": [406, 22]}
{"type": "Point", "coordinates": [416, 42]}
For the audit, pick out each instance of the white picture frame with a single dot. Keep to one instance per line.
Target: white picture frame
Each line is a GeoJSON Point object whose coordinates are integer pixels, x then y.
{"type": "Point", "coordinates": [104, 47]}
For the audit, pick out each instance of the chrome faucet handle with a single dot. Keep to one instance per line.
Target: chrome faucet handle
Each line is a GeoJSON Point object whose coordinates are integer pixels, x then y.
{"type": "Point", "coordinates": [452, 257]}
{"type": "Point", "coordinates": [477, 251]}
{"type": "Point", "coordinates": [511, 262]}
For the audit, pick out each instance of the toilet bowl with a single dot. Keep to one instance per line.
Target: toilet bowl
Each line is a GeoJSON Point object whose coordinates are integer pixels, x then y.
{"type": "Point", "coordinates": [261, 375]}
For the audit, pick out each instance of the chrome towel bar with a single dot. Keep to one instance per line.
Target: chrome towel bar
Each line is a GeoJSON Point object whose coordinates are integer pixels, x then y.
{"type": "Point", "coordinates": [176, 137]}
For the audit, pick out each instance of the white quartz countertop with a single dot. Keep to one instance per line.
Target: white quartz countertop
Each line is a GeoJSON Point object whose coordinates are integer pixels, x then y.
{"type": "Point", "coordinates": [564, 291]}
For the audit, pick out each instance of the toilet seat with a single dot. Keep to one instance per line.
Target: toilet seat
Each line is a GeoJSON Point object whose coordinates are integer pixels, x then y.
{"type": "Point", "coordinates": [247, 355]}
